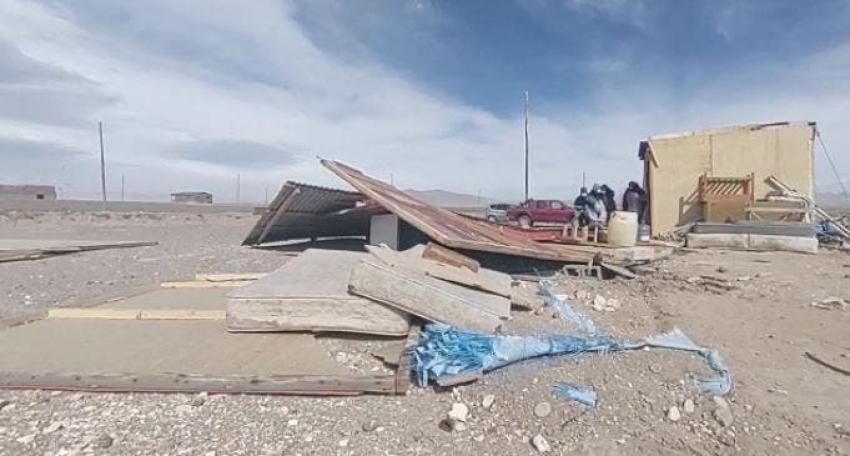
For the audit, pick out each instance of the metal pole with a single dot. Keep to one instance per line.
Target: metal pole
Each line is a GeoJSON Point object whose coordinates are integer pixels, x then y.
{"type": "Point", "coordinates": [102, 162]}
{"type": "Point", "coordinates": [122, 187]}
{"type": "Point", "coordinates": [238, 186]}
{"type": "Point", "coordinates": [525, 111]}
{"type": "Point", "coordinates": [267, 195]}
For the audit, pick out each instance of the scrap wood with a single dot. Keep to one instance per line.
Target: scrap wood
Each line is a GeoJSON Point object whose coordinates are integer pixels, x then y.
{"type": "Point", "coordinates": [205, 283]}
{"type": "Point", "coordinates": [441, 254]}
{"type": "Point", "coordinates": [35, 249]}
{"type": "Point", "coordinates": [484, 279]}
{"type": "Point", "coordinates": [617, 270]}
{"type": "Point", "coordinates": [310, 293]}
{"type": "Point", "coordinates": [826, 364]}
{"type": "Point", "coordinates": [427, 297]}
{"type": "Point", "coordinates": [304, 385]}
{"type": "Point", "coordinates": [230, 277]}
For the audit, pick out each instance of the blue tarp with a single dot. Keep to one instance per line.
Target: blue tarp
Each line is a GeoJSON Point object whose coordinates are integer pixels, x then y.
{"type": "Point", "coordinates": [445, 351]}
{"type": "Point", "coordinates": [585, 397]}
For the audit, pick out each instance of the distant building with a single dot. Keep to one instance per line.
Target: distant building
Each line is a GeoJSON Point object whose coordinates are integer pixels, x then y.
{"type": "Point", "coordinates": [27, 192]}
{"type": "Point", "coordinates": [192, 198]}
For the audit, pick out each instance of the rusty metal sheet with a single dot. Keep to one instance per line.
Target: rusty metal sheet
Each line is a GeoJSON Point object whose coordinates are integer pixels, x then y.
{"type": "Point", "coordinates": [451, 229]}
{"type": "Point", "coordinates": [301, 211]}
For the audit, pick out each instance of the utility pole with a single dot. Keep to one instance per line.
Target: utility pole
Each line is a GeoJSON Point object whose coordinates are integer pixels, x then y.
{"type": "Point", "coordinates": [525, 111]}
{"type": "Point", "coordinates": [267, 195]}
{"type": "Point", "coordinates": [583, 182]}
{"type": "Point", "coordinates": [238, 186]}
{"type": "Point", "coordinates": [122, 187]}
{"type": "Point", "coordinates": [102, 162]}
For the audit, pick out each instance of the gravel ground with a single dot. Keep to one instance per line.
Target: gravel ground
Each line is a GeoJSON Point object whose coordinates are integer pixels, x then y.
{"type": "Point", "coordinates": [782, 402]}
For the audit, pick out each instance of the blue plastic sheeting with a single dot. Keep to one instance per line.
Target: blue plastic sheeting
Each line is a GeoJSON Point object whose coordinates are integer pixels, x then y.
{"type": "Point", "coordinates": [562, 305]}
{"type": "Point", "coordinates": [447, 351]}
{"type": "Point", "coordinates": [444, 351]}
{"type": "Point", "coordinates": [585, 397]}
{"type": "Point", "coordinates": [677, 340]}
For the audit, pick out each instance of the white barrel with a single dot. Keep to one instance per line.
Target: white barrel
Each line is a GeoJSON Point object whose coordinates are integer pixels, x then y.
{"type": "Point", "coordinates": [623, 229]}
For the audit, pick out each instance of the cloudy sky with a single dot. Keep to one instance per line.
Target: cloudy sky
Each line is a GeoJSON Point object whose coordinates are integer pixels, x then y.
{"type": "Point", "coordinates": [194, 92]}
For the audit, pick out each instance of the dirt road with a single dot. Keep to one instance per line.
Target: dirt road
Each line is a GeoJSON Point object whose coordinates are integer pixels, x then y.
{"type": "Point", "coordinates": [782, 402]}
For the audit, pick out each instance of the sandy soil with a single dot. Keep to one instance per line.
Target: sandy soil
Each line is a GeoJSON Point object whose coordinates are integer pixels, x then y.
{"type": "Point", "coordinates": [782, 402]}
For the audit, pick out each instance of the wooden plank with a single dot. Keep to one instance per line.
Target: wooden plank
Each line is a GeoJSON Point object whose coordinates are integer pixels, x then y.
{"type": "Point", "coordinates": [424, 296]}
{"type": "Point", "coordinates": [404, 367]}
{"type": "Point", "coordinates": [205, 284]}
{"type": "Point", "coordinates": [230, 277]}
{"type": "Point", "coordinates": [487, 280]}
{"type": "Point", "coordinates": [308, 385]}
{"type": "Point", "coordinates": [310, 293]}
{"type": "Point", "coordinates": [136, 314]}
{"type": "Point", "coordinates": [618, 270]}
{"type": "Point", "coordinates": [443, 255]}
{"type": "Point", "coordinates": [351, 314]}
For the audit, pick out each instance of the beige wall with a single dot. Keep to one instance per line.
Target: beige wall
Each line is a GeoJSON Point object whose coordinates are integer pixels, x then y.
{"type": "Point", "coordinates": [785, 151]}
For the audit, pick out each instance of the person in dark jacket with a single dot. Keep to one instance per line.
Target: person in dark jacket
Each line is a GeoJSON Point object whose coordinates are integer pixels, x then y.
{"type": "Point", "coordinates": [581, 205]}
{"type": "Point", "coordinates": [608, 198]}
{"type": "Point", "coordinates": [634, 200]}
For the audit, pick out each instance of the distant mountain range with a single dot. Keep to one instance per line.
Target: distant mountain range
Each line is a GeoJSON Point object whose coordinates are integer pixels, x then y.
{"type": "Point", "coordinates": [450, 199]}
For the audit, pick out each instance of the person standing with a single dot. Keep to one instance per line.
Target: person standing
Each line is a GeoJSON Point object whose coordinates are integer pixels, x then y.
{"type": "Point", "coordinates": [634, 200]}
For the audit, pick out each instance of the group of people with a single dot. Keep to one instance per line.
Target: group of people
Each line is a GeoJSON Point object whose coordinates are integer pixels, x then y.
{"type": "Point", "coordinates": [595, 207]}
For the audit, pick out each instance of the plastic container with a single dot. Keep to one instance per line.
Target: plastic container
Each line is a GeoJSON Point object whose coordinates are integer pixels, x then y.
{"type": "Point", "coordinates": [623, 229]}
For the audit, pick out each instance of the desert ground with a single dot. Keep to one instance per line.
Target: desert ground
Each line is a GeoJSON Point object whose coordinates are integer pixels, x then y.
{"type": "Point", "coordinates": [781, 403]}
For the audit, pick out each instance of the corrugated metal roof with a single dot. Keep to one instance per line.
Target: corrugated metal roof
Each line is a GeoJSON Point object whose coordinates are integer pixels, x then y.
{"type": "Point", "coordinates": [451, 229]}
{"type": "Point", "coordinates": [303, 211]}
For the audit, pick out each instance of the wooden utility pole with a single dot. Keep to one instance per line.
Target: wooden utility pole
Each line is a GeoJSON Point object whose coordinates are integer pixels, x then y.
{"type": "Point", "coordinates": [102, 162]}
{"type": "Point", "coordinates": [525, 111]}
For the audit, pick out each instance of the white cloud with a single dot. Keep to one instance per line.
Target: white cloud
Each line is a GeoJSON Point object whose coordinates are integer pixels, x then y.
{"type": "Point", "coordinates": [200, 72]}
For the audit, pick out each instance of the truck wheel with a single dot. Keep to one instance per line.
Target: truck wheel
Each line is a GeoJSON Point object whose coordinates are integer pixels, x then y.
{"type": "Point", "coordinates": [525, 221]}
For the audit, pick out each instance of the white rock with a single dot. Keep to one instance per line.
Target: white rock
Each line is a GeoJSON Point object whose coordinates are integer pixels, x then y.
{"type": "Point", "coordinates": [292, 422]}
{"type": "Point", "coordinates": [26, 439]}
{"type": "Point", "coordinates": [53, 428]}
{"type": "Point", "coordinates": [343, 443]}
{"type": "Point", "coordinates": [673, 414]}
{"type": "Point", "coordinates": [341, 357]}
{"type": "Point", "coordinates": [540, 444]}
{"type": "Point", "coordinates": [599, 303]}
{"type": "Point", "coordinates": [723, 416]}
{"type": "Point", "coordinates": [688, 406]}
{"type": "Point", "coordinates": [542, 410]}
{"type": "Point", "coordinates": [488, 400]}
{"type": "Point", "coordinates": [720, 402]}
{"type": "Point", "coordinates": [459, 411]}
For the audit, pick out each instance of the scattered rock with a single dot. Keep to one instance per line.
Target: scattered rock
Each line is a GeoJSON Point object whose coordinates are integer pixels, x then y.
{"type": "Point", "coordinates": [720, 402]}
{"type": "Point", "coordinates": [743, 279]}
{"type": "Point", "coordinates": [102, 441]}
{"type": "Point", "coordinates": [688, 406]}
{"type": "Point", "coordinates": [459, 411]}
{"type": "Point", "coordinates": [488, 400]}
{"type": "Point", "coordinates": [199, 399]}
{"type": "Point", "coordinates": [452, 425]}
{"type": "Point", "coordinates": [292, 422]}
{"type": "Point", "coordinates": [831, 303]}
{"type": "Point", "coordinates": [673, 414]}
{"type": "Point", "coordinates": [722, 269]}
{"type": "Point", "coordinates": [600, 304]}
{"type": "Point", "coordinates": [183, 409]}
{"type": "Point", "coordinates": [343, 443]}
{"type": "Point", "coordinates": [723, 416]}
{"type": "Point", "coordinates": [542, 410]}
{"type": "Point", "coordinates": [4, 403]}
{"type": "Point", "coordinates": [540, 444]}
{"type": "Point", "coordinates": [341, 357]}
{"type": "Point", "coordinates": [53, 427]}
{"type": "Point", "coordinates": [26, 440]}
{"type": "Point", "coordinates": [369, 426]}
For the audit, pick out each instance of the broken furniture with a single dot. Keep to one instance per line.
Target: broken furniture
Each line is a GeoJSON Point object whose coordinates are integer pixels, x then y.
{"type": "Point", "coordinates": [724, 198]}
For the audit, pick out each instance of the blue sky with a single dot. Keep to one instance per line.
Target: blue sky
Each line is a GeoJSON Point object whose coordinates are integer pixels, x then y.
{"type": "Point", "coordinates": [193, 93]}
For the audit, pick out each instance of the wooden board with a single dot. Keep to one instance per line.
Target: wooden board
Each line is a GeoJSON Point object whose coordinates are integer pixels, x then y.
{"type": "Point", "coordinates": [175, 356]}
{"type": "Point", "coordinates": [443, 255]}
{"type": "Point", "coordinates": [484, 279]}
{"type": "Point", "coordinates": [426, 297]}
{"type": "Point", "coordinates": [103, 313]}
{"type": "Point", "coordinates": [205, 284]}
{"type": "Point", "coordinates": [310, 293]}
{"type": "Point", "coordinates": [34, 249]}
{"type": "Point", "coordinates": [230, 277]}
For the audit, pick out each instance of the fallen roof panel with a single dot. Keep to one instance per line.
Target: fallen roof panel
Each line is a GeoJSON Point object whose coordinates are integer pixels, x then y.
{"type": "Point", "coordinates": [302, 211]}
{"type": "Point", "coordinates": [451, 229]}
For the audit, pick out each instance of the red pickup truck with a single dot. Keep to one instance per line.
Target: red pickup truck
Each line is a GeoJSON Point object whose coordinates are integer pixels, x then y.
{"type": "Point", "coordinates": [540, 211]}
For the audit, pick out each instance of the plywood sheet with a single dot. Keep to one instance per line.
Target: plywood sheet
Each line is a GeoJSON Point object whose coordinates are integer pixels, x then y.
{"type": "Point", "coordinates": [424, 296]}
{"type": "Point", "coordinates": [310, 293]}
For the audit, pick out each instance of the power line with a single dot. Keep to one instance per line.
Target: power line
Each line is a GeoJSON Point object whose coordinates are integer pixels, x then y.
{"type": "Point", "coordinates": [832, 164]}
